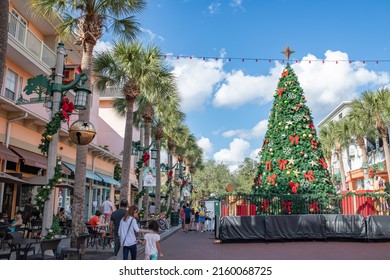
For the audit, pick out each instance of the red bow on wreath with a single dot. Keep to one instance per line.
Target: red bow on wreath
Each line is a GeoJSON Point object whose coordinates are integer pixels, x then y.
{"type": "Point", "coordinates": [286, 206]}
{"type": "Point", "coordinates": [146, 158]}
{"type": "Point", "coordinates": [313, 207]}
{"type": "Point", "coordinates": [265, 205]}
{"type": "Point", "coordinates": [309, 176]}
{"type": "Point", "coordinates": [66, 109]}
{"type": "Point", "coordinates": [170, 174]}
{"type": "Point", "coordinates": [282, 164]}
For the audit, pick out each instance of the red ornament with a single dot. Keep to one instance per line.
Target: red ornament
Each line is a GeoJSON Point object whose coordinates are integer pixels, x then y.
{"type": "Point", "coordinates": [146, 158]}
{"type": "Point", "coordinates": [323, 163]}
{"type": "Point", "coordinates": [170, 174]}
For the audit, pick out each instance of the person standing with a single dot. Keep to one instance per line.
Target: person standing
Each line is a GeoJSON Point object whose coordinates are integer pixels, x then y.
{"type": "Point", "coordinates": [127, 229]}
{"type": "Point", "coordinates": [152, 242]}
{"type": "Point", "coordinates": [187, 217]}
{"type": "Point", "coordinates": [107, 209]}
{"type": "Point", "coordinates": [115, 220]}
{"type": "Point", "coordinates": [202, 218]}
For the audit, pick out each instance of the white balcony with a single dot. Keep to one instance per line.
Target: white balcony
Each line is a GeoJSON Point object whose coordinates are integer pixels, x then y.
{"type": "Point", "coordinates": [23, 40]}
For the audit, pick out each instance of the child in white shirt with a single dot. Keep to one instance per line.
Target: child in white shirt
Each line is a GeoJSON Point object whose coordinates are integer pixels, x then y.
{"type": "Point", "coordinates": [152, 242]}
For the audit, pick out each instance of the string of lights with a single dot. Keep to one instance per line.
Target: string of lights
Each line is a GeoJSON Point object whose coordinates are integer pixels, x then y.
{"type": "Point", "coordinates": [245, 59]}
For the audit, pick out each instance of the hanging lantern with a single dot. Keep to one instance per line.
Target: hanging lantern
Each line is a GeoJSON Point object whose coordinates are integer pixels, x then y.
{"type": "Point", "coordinates": [81, 98]}
{"type": "Point", "coordinates": [153, 153]}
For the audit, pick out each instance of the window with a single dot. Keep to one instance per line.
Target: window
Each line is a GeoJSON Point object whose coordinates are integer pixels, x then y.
{"type": "Point", "coordinates": [340, 116]}
{"type": "Point", "coordinates": [17, 26]}
{"type": "Point", "coordinates": [10, 85]}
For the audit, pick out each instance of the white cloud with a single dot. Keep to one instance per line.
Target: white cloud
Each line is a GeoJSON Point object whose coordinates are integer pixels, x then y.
{"type": "Point", "coordinates": [213, 7]}
{"type": "Point", "coordinates": [151, 35]}
{"type": "Point", "coordinates": [238, 148]}
{"type": "Point", "coordinates": [257, 131]}
{"type": "Point", "coordinates": [236, 3]}
{"type": "Point", "coordinates": [239, 89]}
{"type": "Point", "coordinates": [206, 146]}
{"type": "Point", "coordinates": [196, 79]}
{"type": "Point", "coordinates": [102, 46]}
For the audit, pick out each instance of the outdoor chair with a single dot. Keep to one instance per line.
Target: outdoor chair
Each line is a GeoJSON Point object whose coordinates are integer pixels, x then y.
{"type": "Point", "coordinates": [3, 233]}
{"type": "Point", "coordinates": [93, 239]}
{"type": "Point", "coordinates": [15, 237]}
{"type": "Point", "coordinates": [80, 244]}
{"type": "Point", "coordinates": [5, 256]}
{"type": "Point", "coordinates": [46, 245]}
{"type": "Point", "coordinates": [35, 229]}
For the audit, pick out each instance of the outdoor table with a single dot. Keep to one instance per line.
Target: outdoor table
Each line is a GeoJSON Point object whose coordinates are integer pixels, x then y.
{"type": "Point", "coordinates": [19, 248]}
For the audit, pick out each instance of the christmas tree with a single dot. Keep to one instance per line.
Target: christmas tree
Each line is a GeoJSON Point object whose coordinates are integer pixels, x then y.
{"type": "Point", "coordinates": [292, 163]}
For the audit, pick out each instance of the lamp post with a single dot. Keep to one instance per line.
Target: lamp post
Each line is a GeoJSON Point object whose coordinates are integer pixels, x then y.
{"type": "Point", "coordinates": [81, 99]}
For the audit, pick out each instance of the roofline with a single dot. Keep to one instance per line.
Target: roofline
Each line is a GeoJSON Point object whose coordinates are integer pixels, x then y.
{"type": "Point", "coordinates": [334, 112]}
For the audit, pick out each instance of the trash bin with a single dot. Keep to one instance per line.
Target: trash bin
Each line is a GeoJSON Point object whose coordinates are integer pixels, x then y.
{"type": "Point", "coordinates": [174, 218]}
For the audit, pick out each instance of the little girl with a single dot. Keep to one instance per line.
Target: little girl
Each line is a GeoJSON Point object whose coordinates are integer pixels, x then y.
{"type": "Point", "coordinates": [152, 242]}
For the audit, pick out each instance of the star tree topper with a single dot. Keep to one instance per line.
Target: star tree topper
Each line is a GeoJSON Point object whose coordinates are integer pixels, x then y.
{"type": "Point", "coordinates": [287, 52]}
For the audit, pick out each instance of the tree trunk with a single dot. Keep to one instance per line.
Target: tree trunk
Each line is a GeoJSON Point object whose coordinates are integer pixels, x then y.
{"type": "Point", "coordinates": [4, 12]}
{"type": "Point", "coordinates": [342, 170]}
{"type": "Point", "coordinates": [157, 197]}
{"type": "Point", "coordinates": [360, 142]}
{"type": "Point", "coordinates": [125, 191]}
{"type": "Point", "coordinates": [330, 169]}
{"type": "Point", "coordinates": [387, 153]}
{"type": "Point", "coordinates": [148, 125]}
{"type": "Point", "coordinates": [81, 156]}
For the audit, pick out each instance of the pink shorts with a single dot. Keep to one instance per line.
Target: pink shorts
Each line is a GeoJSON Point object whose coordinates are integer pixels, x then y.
{"type": "Point", "coordinates": [107, 217]}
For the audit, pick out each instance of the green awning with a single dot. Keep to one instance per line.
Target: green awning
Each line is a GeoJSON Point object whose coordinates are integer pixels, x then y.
{"type": "Point", "coordinates": [107, 179]}
{"type": "Point", "coordinates": [89, 175]}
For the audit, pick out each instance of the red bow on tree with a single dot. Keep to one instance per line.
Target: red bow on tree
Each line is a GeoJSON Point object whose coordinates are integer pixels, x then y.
{"type": "Point", "coordinates": [282, 164]}
{"type": "Point", "coordinates": [268, 165]}
{"type": "Point", "coordinates": [294, 139]}
{"type": "Point", "coordinates": [323, 163]}
{"type": "Point", "coordinates": [272, 178]}
{"type": "Point", "coordinates": [285, 73]}
{"type": "Point", "coordinates": [257, 180]}
{"type": "Point", "coordinates": [314, 207]}
{"type": "Point", "coordinates": [280, 92]}
{"type": "Point", "coordinates": [309, 176]}
{"type": "Point", "coordinates": [264, 205]}
{"type": "Point", "coordinates": [146, 158]}
{"type": "Point", "coordinates": [294, 187]}
{"type": "Point", "coordinates": [311, 125]}
{"type": "Point", "coordinates": [286, 206]}
{"type": "Point", "coordinates": [170, 174]}
{"type": "Point", "coordinates": [66, 109]}
{"type": "Point", "coordinates": [314, 143]}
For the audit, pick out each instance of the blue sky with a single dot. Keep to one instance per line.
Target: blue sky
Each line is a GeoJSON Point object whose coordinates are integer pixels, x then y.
{"type": "Point", "coordinates": [227, 102]}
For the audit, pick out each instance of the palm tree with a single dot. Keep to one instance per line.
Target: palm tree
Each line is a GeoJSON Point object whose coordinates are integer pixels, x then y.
{"type": "Point", "coordinates": [4, 11]}
{"type": "Point", "coordinates": [361, 125]}
{"type": "Point", "coordinates": [377, 106]}
{"type": "Point", "coordinates": [87, 19]}
{"type": "Point", "coordinates": [327, 144]}
{"type": "Point", "coordinates": [138, 72]}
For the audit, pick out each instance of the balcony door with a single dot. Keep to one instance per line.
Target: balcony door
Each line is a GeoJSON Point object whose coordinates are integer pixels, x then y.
{"type": "Point", "coordinates": [17, 27]}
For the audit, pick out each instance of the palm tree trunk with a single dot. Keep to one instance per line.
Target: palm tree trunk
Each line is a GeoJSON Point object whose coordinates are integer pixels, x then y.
{"type": "Point", "coordinates": [168, 198]}
{"type": "Point", "coordinates": [360, 142]}
{"type": "Point", "coordinates": [4, 12]}
{"type": "Point", "coordinates": [330, 169]}
{"type": "Point", "coordinates": [81, 156]}
{"type": "Point", "coordinates": [145, 199]}
{"type": "Point", "coordinates": [157, 197]}
{"type": "Point", "coordinates": [125, 191]}
{"type": "Point", "coordinates": [342, 169]}
{"type": "Point", "coordinates": [387, 153]}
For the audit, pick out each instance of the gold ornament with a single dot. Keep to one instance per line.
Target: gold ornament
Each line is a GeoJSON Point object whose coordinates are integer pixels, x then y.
{"type": "Point", "coordinates": [288, 172]}
{"type": "Point", "coordinates": [82, 132]}
{"type": "Point", "coordinates": [49, 137]}
{"type": "Point", "coordinates": [286, 127]}
{"type": "Point", "coordinates": [304, 135]}
{"type": "Point", "coordinates": [310, 136]}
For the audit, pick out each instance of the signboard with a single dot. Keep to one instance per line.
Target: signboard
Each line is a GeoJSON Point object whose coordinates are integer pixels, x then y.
{"type": "Point", "coordinates": [149, 176]}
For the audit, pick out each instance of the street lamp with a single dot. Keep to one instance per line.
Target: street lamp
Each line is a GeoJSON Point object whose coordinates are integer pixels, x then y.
{"type": "Point", "coordinates": [49, 140]}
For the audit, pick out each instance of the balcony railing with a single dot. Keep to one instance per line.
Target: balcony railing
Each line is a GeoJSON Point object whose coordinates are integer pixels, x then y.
{"type": "Point", "coordinates": [32, 43]}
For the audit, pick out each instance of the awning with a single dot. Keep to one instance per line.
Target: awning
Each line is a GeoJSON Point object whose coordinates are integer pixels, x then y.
{"type": "Point", "coordinates": [7, 154]}
{"type": "Point", "coordinates": [7, 178]}
{"type": "Point", "coordinates": [89, 175]}
{"type": "Point", "coordinates": [42, 180]}
{"type": "Point", "coordinates": [31, 158]}
{"type": "Point", "coordinates": [107, 179]}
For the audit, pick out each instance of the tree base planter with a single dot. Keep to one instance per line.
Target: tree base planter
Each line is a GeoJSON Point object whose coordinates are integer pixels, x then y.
{"type": "Point", "coordinates": [302, 227]}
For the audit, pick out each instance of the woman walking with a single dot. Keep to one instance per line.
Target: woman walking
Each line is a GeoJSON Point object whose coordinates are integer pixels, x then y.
{"type": "Point", "coordinates": [127, 229]}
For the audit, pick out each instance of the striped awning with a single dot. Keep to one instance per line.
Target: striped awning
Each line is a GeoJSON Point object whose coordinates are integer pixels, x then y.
{"type": "Point", "coordinates": [7, 154]}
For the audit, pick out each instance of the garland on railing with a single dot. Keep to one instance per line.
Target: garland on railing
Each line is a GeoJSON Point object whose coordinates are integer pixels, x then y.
{"type": "Point", "coordinates": [45, 191]}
